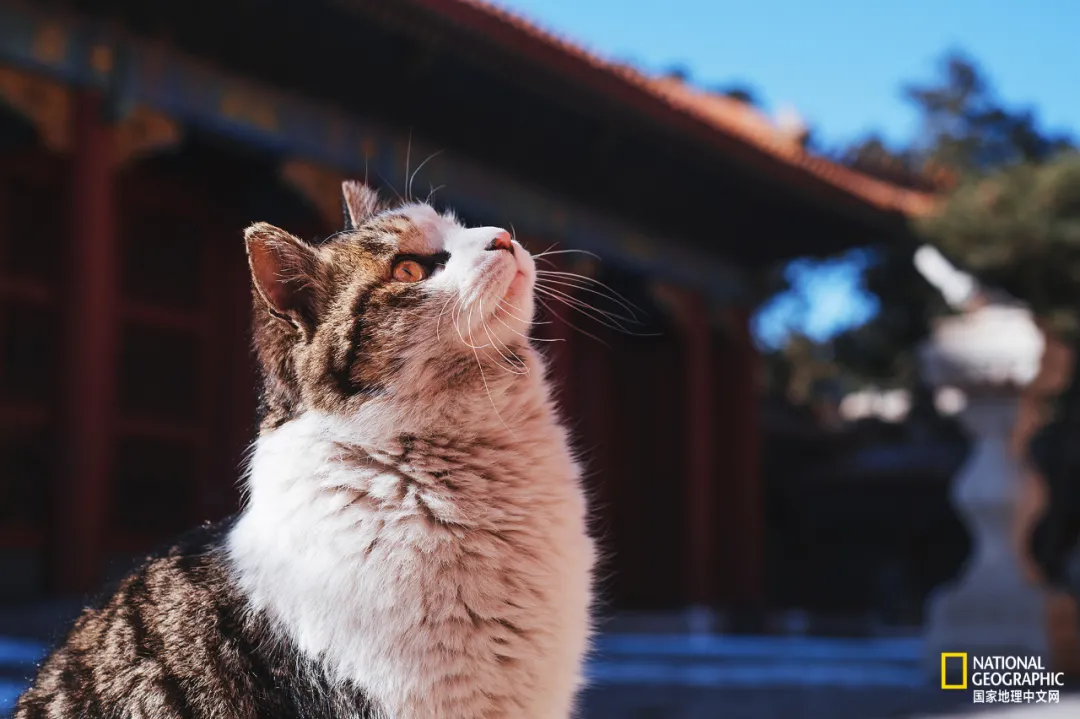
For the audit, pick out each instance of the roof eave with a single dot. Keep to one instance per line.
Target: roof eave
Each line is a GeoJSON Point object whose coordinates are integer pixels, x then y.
{"type": "Point", "coordinates": [871, 202]}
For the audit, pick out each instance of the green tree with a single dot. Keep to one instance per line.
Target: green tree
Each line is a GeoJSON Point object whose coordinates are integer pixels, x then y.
{"type": "Point", "coordinates": [964, 126]}
{"type": "Point", "coordinates": [1018, 229]}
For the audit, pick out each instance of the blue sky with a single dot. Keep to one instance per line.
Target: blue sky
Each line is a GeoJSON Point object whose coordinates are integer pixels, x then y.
{"type": "Point", "coordinates": [840, 64]}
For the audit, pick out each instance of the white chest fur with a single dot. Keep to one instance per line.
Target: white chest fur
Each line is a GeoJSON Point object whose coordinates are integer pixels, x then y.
{"type": "Point", "coordinates": [445, 579]}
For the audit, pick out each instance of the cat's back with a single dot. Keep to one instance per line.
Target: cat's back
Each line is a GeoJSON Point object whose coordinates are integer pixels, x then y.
{"type": "Point", "coordinates": [175, 639]}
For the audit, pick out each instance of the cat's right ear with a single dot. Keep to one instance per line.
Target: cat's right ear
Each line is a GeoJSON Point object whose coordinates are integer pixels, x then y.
{"type": "Point", "coordinates": [359, 203]}
{"type": "Point", "coordinates": [283, 268]}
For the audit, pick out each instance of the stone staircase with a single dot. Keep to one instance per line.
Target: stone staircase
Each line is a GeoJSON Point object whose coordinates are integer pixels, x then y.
{"type": "Point", "coordinates": [740, 661]}
{"type": "Point", "coordinates": [685, 676]}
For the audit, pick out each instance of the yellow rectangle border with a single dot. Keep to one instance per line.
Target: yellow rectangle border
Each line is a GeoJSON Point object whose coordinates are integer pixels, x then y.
{"type": "Point", "coordinates": [953, 655]}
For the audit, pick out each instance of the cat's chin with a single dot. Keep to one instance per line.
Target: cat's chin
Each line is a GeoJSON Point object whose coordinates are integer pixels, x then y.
{"type": "Point", "coordinates": [513, 312]}
{"type": "Point", "coordinates": [520, 286]}
{"type": "Point", "coordinates": [507, 297]}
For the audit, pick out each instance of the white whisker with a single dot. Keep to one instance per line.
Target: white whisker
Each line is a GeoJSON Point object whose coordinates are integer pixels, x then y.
{"type": "Point", "coordinates": [495, 345]}
{"type": "Point", "coordinates": [536, 339]}
{"type": "Point", "coordinates": [391, 186]}
{"type": "Point", "coordinates": [431, 191]}
{"type": "Point", "coordinates": [585, 307]}
{"type": "Point", "coordinates": [408, 154]}
{"type": "Point", "coordinates": [614, 296]}
{"type": "Point", "coordinates": [438, 320]}
{"type": "Point", "coordinates": [569, 323]}
{"type": "Point", "coordinates": [491, 398]}
{"type": "Point", "coordinates": [548, 253]}
{"type": "Point", "coordinates": [599, 316]}
{"type": "Point", "coordinates": [468, 324]}
{"type": "Point", "coordinates": [506, 307]}
{"type": "Point", "coordinates": [574, 276]}
{"type": "Point", "coordinates": [408, 187]}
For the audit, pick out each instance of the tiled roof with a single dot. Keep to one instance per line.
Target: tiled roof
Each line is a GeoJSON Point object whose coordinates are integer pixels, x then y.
{"type": "Point", "coordinates": [727, 118]}
{"type": "Point", "coordinates": [745, 122]}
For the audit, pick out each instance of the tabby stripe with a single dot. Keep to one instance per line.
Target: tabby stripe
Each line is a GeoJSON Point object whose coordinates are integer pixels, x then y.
{"type": "Point", "coordinates": [342, 372]}
{"type": "Point", "coordinates": [175, 696]}
{"type": "Point", "coordinates": [145, 646]}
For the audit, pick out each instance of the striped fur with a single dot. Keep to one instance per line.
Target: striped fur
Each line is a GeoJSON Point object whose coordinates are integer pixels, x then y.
{"type": "Point", "coordinates": [176, 641]}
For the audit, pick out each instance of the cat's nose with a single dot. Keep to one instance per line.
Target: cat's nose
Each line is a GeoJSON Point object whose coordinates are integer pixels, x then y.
{"type": "Point", "coordinates": [501, 241]}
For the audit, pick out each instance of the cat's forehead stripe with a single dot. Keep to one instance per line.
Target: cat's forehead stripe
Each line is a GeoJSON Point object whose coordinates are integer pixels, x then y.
{"type": "Point", "coordinates": [408, 231]}
{"type": "Point", "coordinates": [427, 230]}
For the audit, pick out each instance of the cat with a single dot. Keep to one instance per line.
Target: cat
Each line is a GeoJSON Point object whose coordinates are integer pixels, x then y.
{"type": "Point", "coordinates": [413, 538]}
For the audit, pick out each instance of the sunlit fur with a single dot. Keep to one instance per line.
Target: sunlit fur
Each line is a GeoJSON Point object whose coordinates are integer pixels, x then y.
{"type": "Point", "coordinates": [414, 520]}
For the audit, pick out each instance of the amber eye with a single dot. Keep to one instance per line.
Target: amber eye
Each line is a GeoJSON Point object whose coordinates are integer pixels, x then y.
{"type": "Point", "coordinates": [409, 271]}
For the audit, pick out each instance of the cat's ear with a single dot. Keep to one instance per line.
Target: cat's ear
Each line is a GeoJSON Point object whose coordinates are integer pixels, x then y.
{"type": "Point", "coordinates": [284, 270]}
{"type": "Point", "coordinates": [359, 202]}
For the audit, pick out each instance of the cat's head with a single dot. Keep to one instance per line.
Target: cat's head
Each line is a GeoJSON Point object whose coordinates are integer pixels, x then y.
{"type": "Point", "coordinates": [404, 301]}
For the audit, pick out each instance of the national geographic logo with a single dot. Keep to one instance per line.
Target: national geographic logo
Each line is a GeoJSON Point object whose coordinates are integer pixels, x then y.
{"type": "Point", "coordinates": [1009, 678]}
{"type": "Point", "coordinates": [954, 674]}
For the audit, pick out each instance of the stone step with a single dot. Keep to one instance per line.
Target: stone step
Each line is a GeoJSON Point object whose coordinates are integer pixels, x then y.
{"type": "Point", "coordinates": [905, 649]}
{"type": "Point", "coordinates": [724, 661]}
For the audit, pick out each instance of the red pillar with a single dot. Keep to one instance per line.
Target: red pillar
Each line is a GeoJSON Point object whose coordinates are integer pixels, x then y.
{"type": "Point", "coordinates": [697, 390]}
{"type": "Point", "coordinates": [740, 535]}
{"type": "Point", "coordinates": [746, 443]}
{"type": "Point", "coordinates": [87, 436]}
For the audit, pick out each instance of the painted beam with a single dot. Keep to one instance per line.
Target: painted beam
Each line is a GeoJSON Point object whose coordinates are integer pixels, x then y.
{"type": "Point", "coordinates": [132, 72]}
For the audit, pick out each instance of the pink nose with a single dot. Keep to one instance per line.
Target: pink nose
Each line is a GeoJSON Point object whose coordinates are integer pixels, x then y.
{"type": "Point", "coordinates": [501, 241]}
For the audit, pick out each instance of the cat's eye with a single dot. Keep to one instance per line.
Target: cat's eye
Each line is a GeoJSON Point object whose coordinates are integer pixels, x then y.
{"type": "Point", "coordinates": [409, 271]}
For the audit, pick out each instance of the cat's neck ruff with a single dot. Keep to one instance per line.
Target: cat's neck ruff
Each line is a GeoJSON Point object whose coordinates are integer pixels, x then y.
{"type": "Point", "coordinates": [350, 536]}
{"type": "Point", "coordinates": [500, 406]}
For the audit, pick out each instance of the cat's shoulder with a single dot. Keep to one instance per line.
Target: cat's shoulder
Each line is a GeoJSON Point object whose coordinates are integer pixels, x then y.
{"type": "Point", "coordinates": [149, 624]}
{"type": "Point", "coordinates": [188, 569]}
{"type": "Point", "coordinates": [197, 541]}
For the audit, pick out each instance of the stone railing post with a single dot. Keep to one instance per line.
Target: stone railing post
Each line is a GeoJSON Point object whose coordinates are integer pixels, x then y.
{"type": "Point", "coordinates": [993, 608]}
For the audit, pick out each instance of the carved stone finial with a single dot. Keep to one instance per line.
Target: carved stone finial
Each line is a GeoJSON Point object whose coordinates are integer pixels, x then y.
{"type": "Point", "coordinates": [957, 287]}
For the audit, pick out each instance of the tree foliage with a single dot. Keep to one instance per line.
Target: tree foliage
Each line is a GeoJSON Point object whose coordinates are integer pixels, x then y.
{"type": "Point", "coordinates": [1018, 229]}
{"type": "Point", "coordinates": [964, 126]}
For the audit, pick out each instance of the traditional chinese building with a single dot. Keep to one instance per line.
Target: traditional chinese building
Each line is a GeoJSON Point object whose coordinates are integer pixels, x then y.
{"type": "Point", "coordinates": [138, 139]}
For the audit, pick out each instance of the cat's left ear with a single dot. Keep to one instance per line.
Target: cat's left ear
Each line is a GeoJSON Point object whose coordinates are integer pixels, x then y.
{"type": "Point", "coordinates": [359, 201]}
{"type": "Point", "coordinates": [284, 269]}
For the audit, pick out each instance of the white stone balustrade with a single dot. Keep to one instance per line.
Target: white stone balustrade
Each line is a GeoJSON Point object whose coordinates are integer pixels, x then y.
{"type": "Point", "coordinates": [990, 354]}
